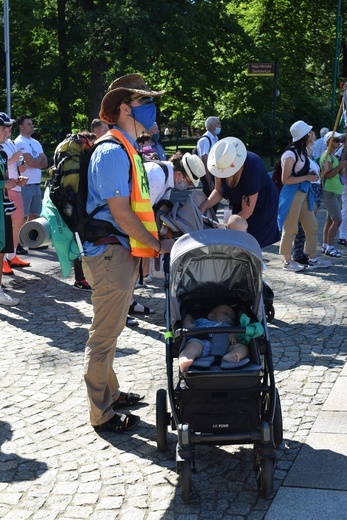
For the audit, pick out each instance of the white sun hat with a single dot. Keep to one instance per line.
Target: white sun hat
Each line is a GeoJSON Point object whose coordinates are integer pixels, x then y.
{"type": "Point", "coordinates": [299, 129]}
{"type": "Point", "coordinates": [194, 167]}
{"type": "Point", "coordinates": [329, 135]}
{"type": "Point", "coordinates": [226, 157]}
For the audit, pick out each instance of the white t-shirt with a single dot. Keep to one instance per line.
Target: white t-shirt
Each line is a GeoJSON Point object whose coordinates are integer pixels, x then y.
{"type": "Point", "coordinates": [10, 148]}
{"type": "Point", "coordinates": [33, 147]}
{"type": "Point", "coordinates": [204, 145]}
{"type": "Point", "coordinates": [300, 163]}
{"type": "Point", "coordinates": [158, 187]}
{"type": "Point", "coordinates": [314, 167]}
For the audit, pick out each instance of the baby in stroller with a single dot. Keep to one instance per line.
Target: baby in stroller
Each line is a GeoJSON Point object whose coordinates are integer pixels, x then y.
{"type": "Point", "coordinates": [220, 315]}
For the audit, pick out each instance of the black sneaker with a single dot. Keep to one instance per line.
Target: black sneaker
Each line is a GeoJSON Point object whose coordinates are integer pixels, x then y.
{"type": "Point", "coordinates": [303, 260]}
{"type": "Point", "coordinates": [38, 248]}
{"type": "Point", "coordinates": [20, 250]}
{"type": "Point", "coordinates": [82, 285]}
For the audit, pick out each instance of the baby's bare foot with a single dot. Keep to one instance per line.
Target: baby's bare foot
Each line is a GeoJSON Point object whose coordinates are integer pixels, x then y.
{"type": "Point", "coordinates": [232, 357]}
{"type": "Point", "coordinates": [184, 363]}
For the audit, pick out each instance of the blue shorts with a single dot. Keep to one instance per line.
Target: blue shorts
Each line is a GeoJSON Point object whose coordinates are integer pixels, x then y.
{"type": "Point", "coordinates": [32, 199]}
{"type": "Point", "coordinates": [206, 346]}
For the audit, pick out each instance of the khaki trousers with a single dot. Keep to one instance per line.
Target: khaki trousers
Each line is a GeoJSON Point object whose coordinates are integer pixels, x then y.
{"type": "Point", "coordinates": [112, 276]}
{"type": "Point", "coordinates": [299, 212]}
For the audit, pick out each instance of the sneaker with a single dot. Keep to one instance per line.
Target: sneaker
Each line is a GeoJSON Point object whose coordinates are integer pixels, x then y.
{"type": "Point", "coordinates": [5, 299]}
{"type": "Point", "coordinates": [20, 250]}
{"type": "Point", "coordinates": [38, 248]}
{"type": "Point", "coordinates": [139, 285]}
{"type": "Point", "coordinates": [147, 279]}
{"type": "Point", "coordinates": [293, 266]}
{"type": "Point", "coordinates": [17, 262]}
{"type": "Point", "coordinates": [302, 260]}
{"type": "Point", "coordinates": [82, 285]}
{"type": "Point", "coordinates": [319, 263]}
{"type": "Point", "coordinates": [6, 269]}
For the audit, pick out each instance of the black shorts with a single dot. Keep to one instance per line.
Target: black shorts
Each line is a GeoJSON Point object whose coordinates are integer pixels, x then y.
{"type": "Point", "coordinates": [8, 235]}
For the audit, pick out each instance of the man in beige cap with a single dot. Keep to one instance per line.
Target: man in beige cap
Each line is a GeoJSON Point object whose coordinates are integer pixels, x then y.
{"type": "Point", "coordinates": [120, 233]}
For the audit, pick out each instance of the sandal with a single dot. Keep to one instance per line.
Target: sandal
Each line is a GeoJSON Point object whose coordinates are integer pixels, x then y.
{"type": "Point", "coordinates": [138, 308]}
{"type": "Point", "coordinates": [127, 399]}
{"type": "Point", "coordinates": [333, 252]}
{"type": "Point", "coordinates": [343, 241]}
{"type": "Point", "coordinates": [119, 423]}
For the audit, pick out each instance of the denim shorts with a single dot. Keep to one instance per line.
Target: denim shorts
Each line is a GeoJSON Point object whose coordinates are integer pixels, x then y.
{"type": "Point", "coordinates": [206, 345]}
{"type": "Point", "coordinates": [32, 199]}
{"type": "Point", "coordinates": [333, 205]}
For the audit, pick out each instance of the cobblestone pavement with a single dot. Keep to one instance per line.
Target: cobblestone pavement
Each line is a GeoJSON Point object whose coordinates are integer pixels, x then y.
{"type": "Point", "coordinates": [53, 464]}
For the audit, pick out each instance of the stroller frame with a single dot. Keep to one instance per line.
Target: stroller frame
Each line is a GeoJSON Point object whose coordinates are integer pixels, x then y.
{"type": "Point", "coordinates": [249, 393]}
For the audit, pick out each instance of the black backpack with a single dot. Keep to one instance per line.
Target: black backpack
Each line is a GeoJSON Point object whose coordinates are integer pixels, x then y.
{"type": "Point", "coordinates": [69, 188]}
{"type": "Point", "coordinates": [277, 172]}
{"type": "Point", "coordinates": [195, 150]}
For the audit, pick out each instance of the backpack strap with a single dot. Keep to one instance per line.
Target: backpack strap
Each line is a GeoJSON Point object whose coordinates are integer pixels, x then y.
{"type": "Point", "coordinates": [159, 163]}
{"type": "Point", "coordinates": [207, 137]}
{"type": "Point", "coordinates": [104, 139]}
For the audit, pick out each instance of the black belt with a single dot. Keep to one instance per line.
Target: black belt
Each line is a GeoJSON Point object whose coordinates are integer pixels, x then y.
{"type": "Point", "coordinates": [106, 240]}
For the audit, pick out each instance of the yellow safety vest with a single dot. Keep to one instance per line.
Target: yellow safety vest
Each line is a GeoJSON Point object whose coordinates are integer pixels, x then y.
{"type": "Point", "coordinates": [140, 202]}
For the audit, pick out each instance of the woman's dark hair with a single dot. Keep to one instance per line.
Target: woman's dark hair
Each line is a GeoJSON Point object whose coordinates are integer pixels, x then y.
{"type": "Point", "coordinates": [176, 160]}
{"type": "Point", "coordinates": [299, 146]}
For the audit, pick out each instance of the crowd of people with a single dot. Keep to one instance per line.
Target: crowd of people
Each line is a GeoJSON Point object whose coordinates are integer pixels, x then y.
{"type": "Point", "coordinates": [128, 189]}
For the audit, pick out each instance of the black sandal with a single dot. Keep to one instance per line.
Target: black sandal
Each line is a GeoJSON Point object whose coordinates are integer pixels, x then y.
{"type": "Point", "coordinates": [138, 308]}
{"type": "Point", "coordinates": [119, 423]}
{"type": "Point", "coordinates": [127, 399]}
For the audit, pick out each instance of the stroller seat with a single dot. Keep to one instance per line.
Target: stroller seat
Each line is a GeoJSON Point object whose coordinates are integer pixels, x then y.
{"type": "Point", "coordinates": [215, 374]}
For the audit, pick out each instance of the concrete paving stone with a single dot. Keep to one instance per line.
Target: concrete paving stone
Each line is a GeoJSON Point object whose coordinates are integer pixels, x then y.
{"type": "Point", "coordinates": [337, 398]}
{"type": "Point", "coordinates": [309, 504]}
{"type": "Point", "coordinates": [321, 463]}
{"type": "Point", "coordinates": [330, 422]}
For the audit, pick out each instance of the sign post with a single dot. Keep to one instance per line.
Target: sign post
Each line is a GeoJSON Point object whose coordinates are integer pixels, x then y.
{"type": "Point", "coordinates": [267, 69]}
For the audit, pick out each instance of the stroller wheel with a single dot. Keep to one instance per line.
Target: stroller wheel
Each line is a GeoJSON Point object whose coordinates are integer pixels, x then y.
{"type": "Point", "coordinates": [277, 418]}
{"type": "Point", "coordinates": [264, 473]}
{"type": "Point", "coordinates": [270, 313]}
{"type": "Point", "coordinates": [162, 420]}
{"type": "Point", "coordinates": [278, 423]}
{"type": "Point", "coordinates": [186, 480]}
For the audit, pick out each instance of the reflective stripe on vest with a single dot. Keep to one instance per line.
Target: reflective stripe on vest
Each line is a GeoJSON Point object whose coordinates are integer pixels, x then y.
{"type": "Point", "coordinates": [140, 202]}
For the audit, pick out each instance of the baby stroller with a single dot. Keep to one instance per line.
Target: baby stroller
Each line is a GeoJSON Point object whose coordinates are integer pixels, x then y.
{"type": "Point", "coordinates": [212, 403]}
{"type": "Point", "coordinates": [185, 217]}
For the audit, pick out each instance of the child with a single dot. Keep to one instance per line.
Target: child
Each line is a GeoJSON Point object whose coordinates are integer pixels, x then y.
{"type": "Point", "coordinates": [237, 222]}
{"type": "Point", "coordinates": [196, 347]}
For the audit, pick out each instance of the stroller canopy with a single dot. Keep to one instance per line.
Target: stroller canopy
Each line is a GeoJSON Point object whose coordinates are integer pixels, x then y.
{"type": "Point", "coordinates": [217, 266]}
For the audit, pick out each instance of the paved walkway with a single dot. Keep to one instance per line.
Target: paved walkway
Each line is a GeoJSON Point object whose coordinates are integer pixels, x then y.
{"type": "Point", "coordinates": [54, 466]}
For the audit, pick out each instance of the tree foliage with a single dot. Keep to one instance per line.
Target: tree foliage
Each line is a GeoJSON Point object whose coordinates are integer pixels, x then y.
{"type": "Point", "coordinates": [64, 54]}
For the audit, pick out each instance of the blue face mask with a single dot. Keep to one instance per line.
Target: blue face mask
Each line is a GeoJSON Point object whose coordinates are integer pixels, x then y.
{"type": "Point", "coordinates": [155, 137]}
{"type": "Point", "coordinates": [180, 186]}
{"type": "Point", "coordinates": [217, 130]}
{"type": "Point", "coordinates": [145, 115]}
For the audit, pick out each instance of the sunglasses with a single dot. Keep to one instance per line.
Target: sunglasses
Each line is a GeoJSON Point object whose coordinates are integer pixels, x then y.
{"type": "Point", "coordinates": [143, 100]}
{"type": "Point", "coordinates": [336, 140]}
